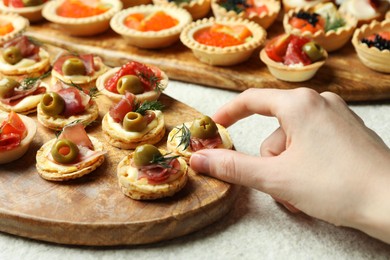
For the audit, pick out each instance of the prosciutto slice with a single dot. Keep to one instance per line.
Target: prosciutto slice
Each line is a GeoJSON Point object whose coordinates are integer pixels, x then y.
{"type": "Point", "coordinates": [28, 49]}
{"type": "Point", "coordinates": [197, 144]}
{"type": "Point", "coordinates": [157, 174]}
{"type": "Point", "coordinates": [87, 59]}
{"type": "Point", "coordinates": [125, 105]}
{"type": "Point", "coordinates": [21, 93]}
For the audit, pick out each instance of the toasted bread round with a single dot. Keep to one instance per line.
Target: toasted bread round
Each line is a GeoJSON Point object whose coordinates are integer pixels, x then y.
{"type": "Point", "coordinates": [52, 171]}
{"type": "Point", "coordinates": [27, 106]}
{"type": "Point", "coordinates": [174, 139]}
{"type": "Point", "coordinates": [118, 137]}
{"type": "Point", "coordinates": [140, 189]}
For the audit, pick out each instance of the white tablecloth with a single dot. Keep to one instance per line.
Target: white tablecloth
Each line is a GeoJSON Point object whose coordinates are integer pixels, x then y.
{"type": "Point", "coordinates": [256, 228]}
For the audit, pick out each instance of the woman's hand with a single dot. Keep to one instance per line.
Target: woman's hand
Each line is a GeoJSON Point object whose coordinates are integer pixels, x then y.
{"type": "Point", "coordinates": [322, 160]}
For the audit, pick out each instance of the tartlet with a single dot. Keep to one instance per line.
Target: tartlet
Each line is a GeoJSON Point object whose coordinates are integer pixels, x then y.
{"type": "Point", "coordinates": [15, 153]}
{"type": "Point", "coordinates": [197, 8]}
{"type": "Point", "coordinates": [293, 58]}
{"type": "Point", "coordinates": [223, 56]}
{"type": "Point", "coordinates": [265, 19]}
{"type": "Point", "coordinates": [372, 57]}
{"type": "Point", "coordinates": [364, 11]}
{"type": "Point", "coordinates": [292, 4]}
{"type": "Point", "coordinates": [387, 17]}
{"type": "Point", "coordinates": [131, 3]}
{"type": "Point", "coordinates": [330, 40]}
{"type": "Point", "coordinates": [91, 68]}
{"type": "Point", "coordinates": [184, 141]}
{"type": "Point", "coordinates": [53, 165]}
{"type": "Point", "coordinates": [138, 185]}
{"type": "Point", "coordinates": [154, 81]}
{"type": "Point", "coordinates": [11, 26]}
{"type": "Point", "coordinates": [83, 26]}
{"type": "Point", "coordinates": [32, 13]}
{"type": "Point", "coordinates": [34, 64]}
{"type": "Point", "coordinates": [126, 126]}
{"type": "Point", "coordinates": [153, 38]}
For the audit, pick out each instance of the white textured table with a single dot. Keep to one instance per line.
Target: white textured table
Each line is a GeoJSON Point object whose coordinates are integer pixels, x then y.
{"type": "Point", "coordinates": [256, 228]}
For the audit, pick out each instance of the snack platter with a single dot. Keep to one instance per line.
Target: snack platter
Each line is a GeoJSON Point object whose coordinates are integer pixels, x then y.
{"type": "Point", "coordinates": [343, 73]}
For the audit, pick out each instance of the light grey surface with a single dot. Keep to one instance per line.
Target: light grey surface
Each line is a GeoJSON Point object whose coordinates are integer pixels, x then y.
{"type": "Point", "coordinates": [256, 228]}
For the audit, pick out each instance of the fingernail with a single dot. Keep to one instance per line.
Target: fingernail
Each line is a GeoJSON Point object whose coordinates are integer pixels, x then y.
{"type": "Point", "coordinates": [199, 163]}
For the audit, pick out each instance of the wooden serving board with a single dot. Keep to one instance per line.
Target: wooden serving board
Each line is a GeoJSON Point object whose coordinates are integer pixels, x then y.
{"type": "Point", "coordinates": [92, 210]}
{"type": "Point", "coordinates": [343, 72]}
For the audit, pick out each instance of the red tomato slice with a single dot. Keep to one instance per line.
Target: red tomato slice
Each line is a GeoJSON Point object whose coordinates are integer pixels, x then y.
{"type": "Point", "coordinates": [294, 53]}
{"type": "Point", "coordinates": [277, 47]}
{"type": "Point", "coordinates": [15, 3]}
{"type": "Point", "coordinates": [13, 125]}
{"type": "Point", "coordinates": [9, 141]}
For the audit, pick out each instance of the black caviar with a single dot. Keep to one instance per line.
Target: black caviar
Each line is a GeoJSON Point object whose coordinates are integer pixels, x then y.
{"type": "Point", "coordinates": [311, 18]}
{"type": "Point", "coordinates": [378, 42]}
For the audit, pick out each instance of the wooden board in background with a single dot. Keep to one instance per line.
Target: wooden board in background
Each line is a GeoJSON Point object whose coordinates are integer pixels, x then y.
{"type": "Point", "coordinates": [343, 73]}
{"type": "Point", "coordinates": [92, 210]}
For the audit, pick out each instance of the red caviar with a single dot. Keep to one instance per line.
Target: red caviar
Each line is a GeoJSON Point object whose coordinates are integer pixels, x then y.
{"type": "Point", "coordinates": [223, 35]}
{"type": "Point", "coordinates": [154, 22]}
{"type": "Point", "coordinates": [81, 8]}
{"type": "Point", "coordinates": [6, 28]}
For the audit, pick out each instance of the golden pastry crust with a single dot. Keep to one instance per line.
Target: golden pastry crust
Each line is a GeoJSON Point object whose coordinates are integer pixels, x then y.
{"type": "Point", "coordinates": [331, 40]}
{"type": "Point", "coordinates": [264, 20]}
{"type": "Point", "coordinates": [174, 138]}
{"type": "Point", "coordinates": [86, 26]}
{"type": "Point", "coordinates": [26, 67]}
{"type": "Point", "coordinates": [85, 82]}
{"type": "Point", "coordinates": [57, 123]}
{"type": "Point", "coordinates": [32, 13]}
{"type": "Point", "coordinates": [292, 4]}
{"type": "Point", "coordinates": [372, 57]}
{"type": "Point", "coordinates": [223, 56]}
{"type": "Point", "coordinates": [292, 73]}
{"type": "Point", "coordinates": [197, 8]}
{"type": "Point", "coordinates": [151, 39]}
{"type": "Point", "coordinates": [146, 96]}
{"type": "Point", "coordinates": [131, 3]}
{"type": "Point", "coordinates": [19, 23]}
{"type": "Point", "coordinates": [118, 137]}
{"type": "Point", "coordinates": [141, 189]}
{"type": "Point", "coordinates": [58, 172]}
{"type": "Point", "coordinates": [17, 152]}
{"type": "Point", "coordinates": [27, 106]}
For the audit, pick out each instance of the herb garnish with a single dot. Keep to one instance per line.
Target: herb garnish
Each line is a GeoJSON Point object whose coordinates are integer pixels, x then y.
{"type": "Point", "coordinates": [28, 82]}
{"type": "Point", "coordinates": [154, 81]}
{"type": "Point", "coordinates": [92, 92]}
{"type": "Point", "coordinates": [163, 161]}
{"type": "Point", "coordinates": [237, 6]}
{"type": "Point", "coordinates": [148, 105]}
{"type": "Point", "coordinates": [179, 1]}
{"type": "Point", "coordinates": [185, 137]}
{"type": "Point", "coordinates": [337, 23]}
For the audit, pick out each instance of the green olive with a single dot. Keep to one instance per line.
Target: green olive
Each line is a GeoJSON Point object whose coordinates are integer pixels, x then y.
{"type": "Point", "coordinates": [73, 66]}
{"type": "Point", "coordinates": [204, 128]}
{"type": "Point", "coordinates": [144, 154]}
{"type": "Point", "coordinates": [64, 151]}
{"type": "Point", "coordinates": [32, 2]}
{"type": "Point", "coordinates": [129, 83]}
{"type": "Point", "coordinates": [7, 87]}
{"type": "Point", "coordinates": [12, 55]}
{"type": "Point", "coordinates": [314, 51]}
{"type": "Point", "coordinates": [134, 122]}
{"type": "Point", "coordinates": [52, 104]}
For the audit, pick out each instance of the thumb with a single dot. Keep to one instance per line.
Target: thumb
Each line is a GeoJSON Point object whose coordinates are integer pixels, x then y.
{"type": "Point", "coordinates": [261, 173]}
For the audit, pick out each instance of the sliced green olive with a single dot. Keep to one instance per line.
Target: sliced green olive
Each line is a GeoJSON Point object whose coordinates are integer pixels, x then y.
{"type": "Point", "coordinates": [144, 154]}
{"type": "Point", "coordinates": [7, 87]}
{"type": "Point", "coordinates": [134, 122]}
{"type": "Point", "coordinates": [52, 104]}
{"type": "Point", "coordinates": [129, 83]}
{"type": "Point", "coordinates": [314, 51]}
{"type": "Point", "coordinates": [64, 151]}
{"type": "Point", "coordinates": [32, 2]}
{"type": "Point", "coordinates": [73, 66]}
{"type": "Point", "coordinates": [204, 128]}
{"type": "Point", "coordinates": [12, 55]}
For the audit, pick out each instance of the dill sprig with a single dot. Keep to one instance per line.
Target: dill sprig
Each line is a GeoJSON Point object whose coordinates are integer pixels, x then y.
{"type": "Point", "coordinates": [35, 41]}
{"type": "Point", "coordinates": [28, 82]}
{"type": "Point", "coordinates": [333, 25]}
{"type": "Point", "coordinates": [92, 92]}
{"type": "Point", "coordinates": [163, 161]}
{"type": "Point", "coordinates": [179, 1]}
{"type": "Point", "coordinates": [237, 6]}
{"type": "Point", "coordinates": [185, 136]}
{"type": "Point", "coordinates": [149, 105]}
{"type": "Point", "coordinates": [154, 81]}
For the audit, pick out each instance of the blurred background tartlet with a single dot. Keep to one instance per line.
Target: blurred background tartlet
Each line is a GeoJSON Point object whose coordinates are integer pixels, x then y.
{"type": "Point", "coordinates": [197, 8]}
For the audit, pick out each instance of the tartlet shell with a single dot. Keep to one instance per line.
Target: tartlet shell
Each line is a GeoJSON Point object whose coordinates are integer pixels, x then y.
{"type": "Point", "coordinates": [372, 57]}
{"type": "Point", "coordinates": [291, 74]}
{"type": "Point", "coordinates": [32, 13]}
{"type": "Point", "coordinates": [265, 20]}
{"type": "Point", "coordinates": [19, 23]}
{"type": "Point", "coordinates": [146, 96]}
{"type": "Point", "coordinates": [151, 39]}
{"type": "Point", "coordinates": [81, 26]}
{"type": "Point", "coordinates": [139, 190]}
{"type": "Point", "coordinates": [331, 40]}
{"type": "Point", "coordinates": [287, 6]}
{"type": "Point", "coordinates": [197, 8]}
{"type": "Point", "coordinates": [16, 153]}
{"type": "Point", "coordinates": [223, 56]}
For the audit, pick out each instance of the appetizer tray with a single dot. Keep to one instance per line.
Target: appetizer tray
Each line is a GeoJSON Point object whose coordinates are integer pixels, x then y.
{"type": "Point", "coordinates": [92, 210]}
{"type": "Point", "coordinates": [343, 72]}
